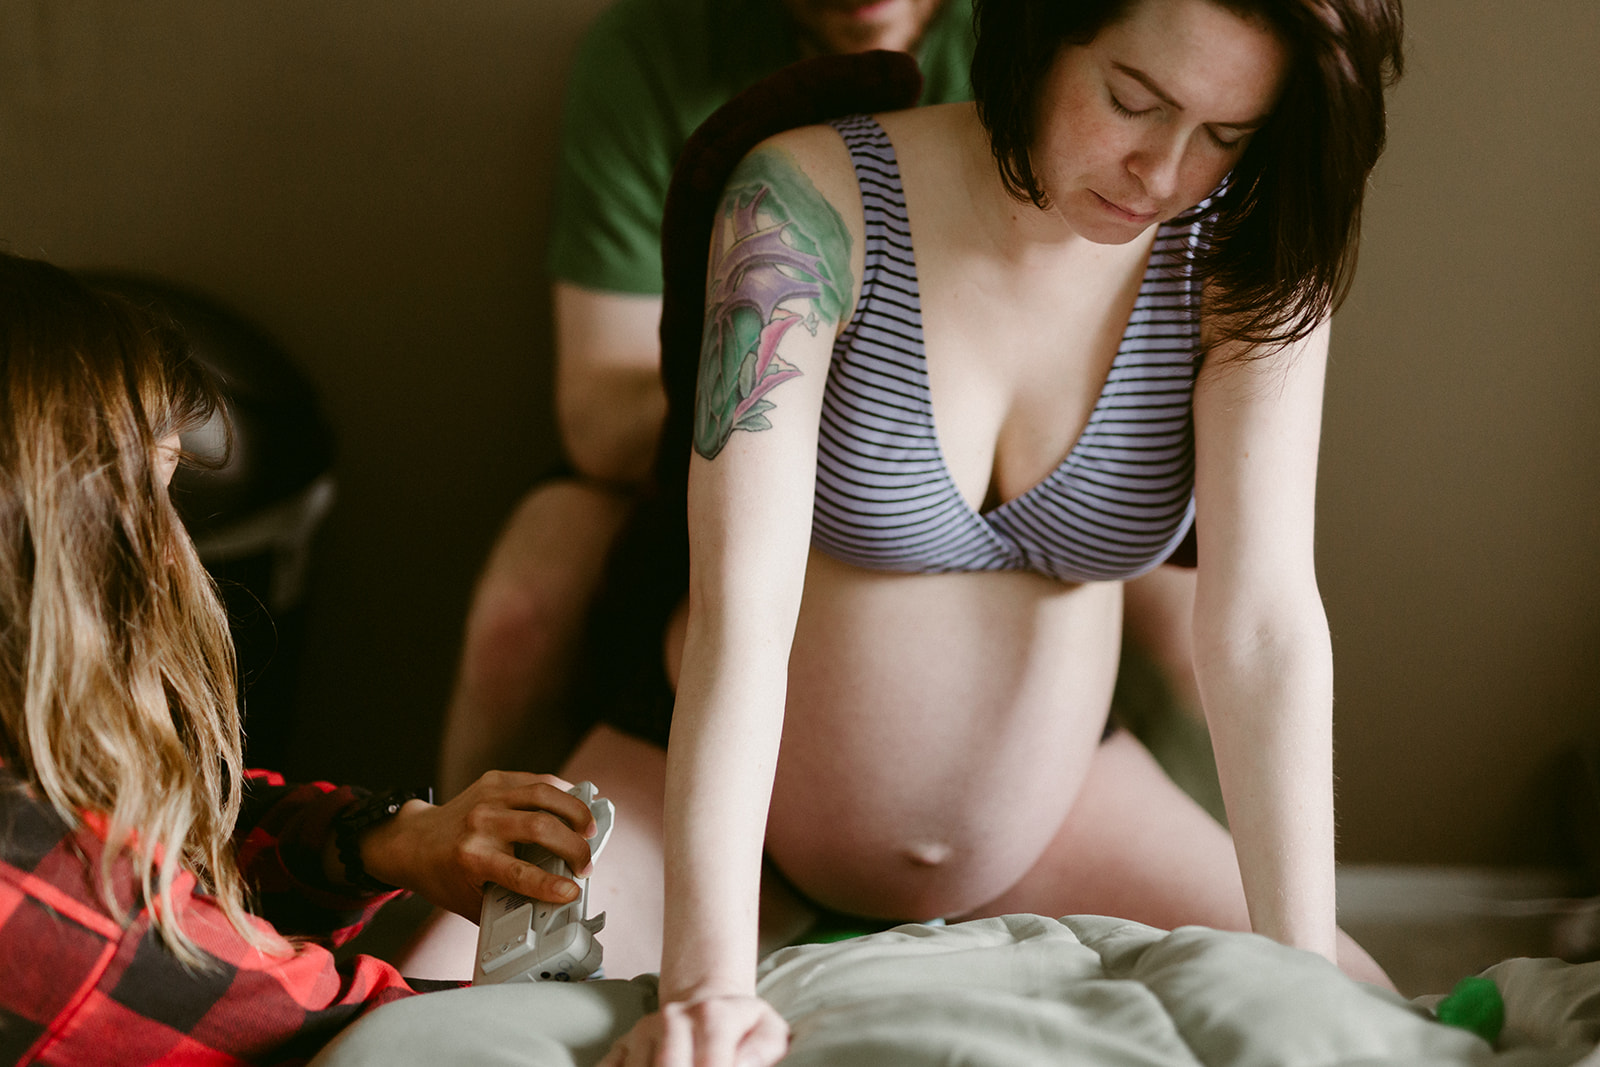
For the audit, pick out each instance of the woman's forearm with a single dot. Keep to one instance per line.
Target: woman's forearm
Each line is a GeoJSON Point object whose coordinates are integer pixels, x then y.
{"type": "Point", "coordinates": [1269, 704]}
{"type": "Point", "coordinates": [725, 736]}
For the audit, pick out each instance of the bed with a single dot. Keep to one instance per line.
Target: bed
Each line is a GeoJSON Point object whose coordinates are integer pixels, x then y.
{"type": "Point", "coordinates": [1023, 990]}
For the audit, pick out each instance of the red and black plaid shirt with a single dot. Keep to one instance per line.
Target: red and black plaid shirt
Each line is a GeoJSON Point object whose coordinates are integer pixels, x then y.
{"type": "Point", "coordinates": [79, 987]}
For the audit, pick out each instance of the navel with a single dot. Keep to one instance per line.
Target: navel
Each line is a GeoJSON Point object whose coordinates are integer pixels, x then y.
{"type": "Point", "coordinates": [927, 853]}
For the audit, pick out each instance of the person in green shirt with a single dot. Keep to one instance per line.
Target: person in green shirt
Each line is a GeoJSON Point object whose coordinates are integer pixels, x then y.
{"type": "Point", "coordinates": [646, 75]}
{"type": "Point", "coordinates": [651, 71]}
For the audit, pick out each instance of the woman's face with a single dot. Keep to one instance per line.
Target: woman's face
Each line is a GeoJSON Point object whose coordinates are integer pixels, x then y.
{"type": "Point", "coordinates": [1141, 124]}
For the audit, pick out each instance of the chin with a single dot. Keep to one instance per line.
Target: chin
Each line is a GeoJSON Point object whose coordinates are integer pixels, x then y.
{"type": "Point", "coordinates": [1093, 221]}
{"type": "Point", "coordinates": [1103, 232]}
{"type": "Point", "coordinates": [884, 26]}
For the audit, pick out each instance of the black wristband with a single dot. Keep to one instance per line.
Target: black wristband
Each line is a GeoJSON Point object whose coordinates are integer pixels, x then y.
{"type": "Point", "coordinates": [356, 820]}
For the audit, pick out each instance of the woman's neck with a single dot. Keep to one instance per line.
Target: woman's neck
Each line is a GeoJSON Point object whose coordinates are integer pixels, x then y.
{"type": "Point", "coordinates": [1012, 230]}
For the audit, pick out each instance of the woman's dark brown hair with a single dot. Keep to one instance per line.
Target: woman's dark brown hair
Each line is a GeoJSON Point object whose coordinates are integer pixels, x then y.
{"type": "Point", "coordinates": [1281, 239]}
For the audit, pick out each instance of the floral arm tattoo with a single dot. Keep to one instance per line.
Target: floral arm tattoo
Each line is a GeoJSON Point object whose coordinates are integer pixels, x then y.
{"type": "Point", "coordinates": [775, 239]}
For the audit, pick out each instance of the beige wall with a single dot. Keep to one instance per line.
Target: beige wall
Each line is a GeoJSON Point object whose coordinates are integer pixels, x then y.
{"type": "Point", "coordinates": [367, 181]}
{"type": "Point", "coordinates": [1459, 532]}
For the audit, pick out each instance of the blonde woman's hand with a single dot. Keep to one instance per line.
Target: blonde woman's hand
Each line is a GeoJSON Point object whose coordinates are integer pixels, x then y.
{"type": "Point", "coordinates": [447, 852]}
{"type": "Point", "coordinates": [726, 1031]}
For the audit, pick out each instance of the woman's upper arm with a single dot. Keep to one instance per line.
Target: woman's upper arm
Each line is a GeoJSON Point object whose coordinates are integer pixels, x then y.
{"type": "Point", "coordinates": [1257, 430]}
{"type": "Point", "coordinates": [781, 280]}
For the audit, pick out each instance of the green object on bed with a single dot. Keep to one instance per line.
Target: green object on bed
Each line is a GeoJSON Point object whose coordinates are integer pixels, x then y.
{"type": "Point", "coordinates": [1474, 1004]}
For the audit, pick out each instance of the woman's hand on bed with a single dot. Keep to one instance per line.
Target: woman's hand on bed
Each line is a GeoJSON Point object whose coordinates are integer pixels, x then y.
{"type": "Point", "coordinates": [710, 1032]}
{"type": "Point", "coordinates": [447, 852]}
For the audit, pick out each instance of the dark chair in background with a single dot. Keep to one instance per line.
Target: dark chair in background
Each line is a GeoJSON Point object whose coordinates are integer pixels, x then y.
{"type": "Point", "coordinates": [254, 509]}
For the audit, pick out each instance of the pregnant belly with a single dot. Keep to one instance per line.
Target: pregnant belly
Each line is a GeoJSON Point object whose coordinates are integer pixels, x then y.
{"type": "Point", "coordinates": [936, 733]}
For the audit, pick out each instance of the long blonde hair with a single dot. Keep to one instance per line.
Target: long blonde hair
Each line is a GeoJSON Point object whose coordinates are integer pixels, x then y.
{"type": "Point", "coordinates": [117, 674]}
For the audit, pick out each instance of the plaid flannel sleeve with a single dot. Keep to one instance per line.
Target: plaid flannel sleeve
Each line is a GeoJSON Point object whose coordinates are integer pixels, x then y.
{"type": "Point", "coordinates": [282, 831]}
{"type": "Point", "coordinates": [83, 986]}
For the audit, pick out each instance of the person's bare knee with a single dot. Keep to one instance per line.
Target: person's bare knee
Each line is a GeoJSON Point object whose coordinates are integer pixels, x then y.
{"type": "Point", "coordinates": [628, 879]}
{"type": "Point", "coordinates": [512, 633]}
{"type": "Point", "coordinates": [523, 630]}
{"type": "Point", "coordinates": [1356, 962]}
{"type": "Point", "coordinates": [531, 600]}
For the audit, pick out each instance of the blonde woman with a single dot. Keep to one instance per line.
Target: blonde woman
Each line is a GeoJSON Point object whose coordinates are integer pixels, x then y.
{"type": "Point", "coordinates": [132, 839]}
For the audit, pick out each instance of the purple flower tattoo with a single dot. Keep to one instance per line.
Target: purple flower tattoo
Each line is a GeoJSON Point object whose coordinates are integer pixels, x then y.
{"type": "Point", "coordinates": [776, 240]}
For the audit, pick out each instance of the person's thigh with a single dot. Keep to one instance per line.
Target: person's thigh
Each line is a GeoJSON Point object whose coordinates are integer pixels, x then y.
{"type": "Point", "coordinates": [524, 1024]}
{"type": "Point", "coordinates": [1135, 846]}
{"type": "Point", "coordinates": [628, 879]}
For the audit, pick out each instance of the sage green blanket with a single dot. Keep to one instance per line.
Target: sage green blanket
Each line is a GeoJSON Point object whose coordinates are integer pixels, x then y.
{"type": "Point", "coordinates": [1025, 990]}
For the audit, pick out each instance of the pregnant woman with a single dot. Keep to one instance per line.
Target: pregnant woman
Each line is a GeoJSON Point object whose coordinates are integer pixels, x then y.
{"type": "Point", "coordinates": [965, 370]}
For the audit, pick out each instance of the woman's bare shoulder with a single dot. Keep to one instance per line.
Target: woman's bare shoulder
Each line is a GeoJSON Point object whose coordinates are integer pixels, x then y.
{"type": "Point", "coordinates": [803, 181]}
{"type": "Point", "coordinates": [923, 135]}
{"type": "Point", "coordinates": [815, 155]}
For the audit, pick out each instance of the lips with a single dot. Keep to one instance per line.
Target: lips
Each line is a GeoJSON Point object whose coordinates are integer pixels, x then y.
{"type": "Point", "coordinates": [1131, 216]}
{"type": "Point", "coordinates": [861, 9]}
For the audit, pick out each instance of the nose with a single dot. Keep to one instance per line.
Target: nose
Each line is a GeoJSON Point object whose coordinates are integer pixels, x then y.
{"type": "Point", "coordinates": [1156, 164]}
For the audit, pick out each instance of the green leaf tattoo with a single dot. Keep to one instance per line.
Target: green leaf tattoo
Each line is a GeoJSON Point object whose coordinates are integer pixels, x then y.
{"type": "Point", "coordinates": [775, 239]}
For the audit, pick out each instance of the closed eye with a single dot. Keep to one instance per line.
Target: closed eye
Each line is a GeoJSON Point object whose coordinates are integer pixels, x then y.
{"type": "Point", "coordinates": [1122, 109]}
{"type": "Point", "coordinates": [1224, 143]}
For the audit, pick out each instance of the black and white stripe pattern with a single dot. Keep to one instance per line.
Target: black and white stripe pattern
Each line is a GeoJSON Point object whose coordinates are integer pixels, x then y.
{"type": "Point", "coordinates": [1118, 504]}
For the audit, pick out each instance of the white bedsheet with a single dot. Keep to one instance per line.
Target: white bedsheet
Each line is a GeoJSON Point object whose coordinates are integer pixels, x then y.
{"type": "Point", "coordinates": [1024, 990]}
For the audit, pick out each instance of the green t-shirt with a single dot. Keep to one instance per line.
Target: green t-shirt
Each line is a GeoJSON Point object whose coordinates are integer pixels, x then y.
{"type": "Point", "coordinates": [648, 73]}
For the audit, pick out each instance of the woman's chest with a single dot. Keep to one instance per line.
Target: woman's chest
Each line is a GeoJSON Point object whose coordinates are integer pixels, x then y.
{"type": "Point", "coordinates": [1017, 358]}
{"type": "Point", "coordinates": [994, 409]}
{"type": "Point", "coordinates": [982, 471]}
